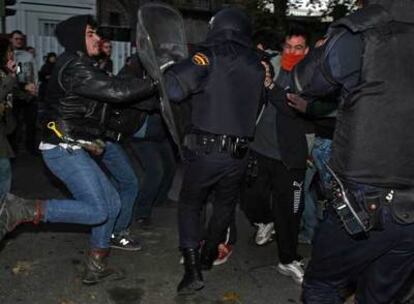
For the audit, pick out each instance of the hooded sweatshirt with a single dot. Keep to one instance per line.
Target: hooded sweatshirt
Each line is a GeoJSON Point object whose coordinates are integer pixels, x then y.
{"type": "Point", "coordinates": [71, 33]}
{"type": "Point", "coordinates": [80, 96]}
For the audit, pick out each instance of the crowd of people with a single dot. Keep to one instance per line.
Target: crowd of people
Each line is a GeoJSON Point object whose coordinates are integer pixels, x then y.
{"type": "Point", "coordinates": [311, 140]}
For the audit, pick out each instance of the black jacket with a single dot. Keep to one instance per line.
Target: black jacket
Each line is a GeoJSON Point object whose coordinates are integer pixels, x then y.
{"type": "Point", "coordinates": [80, 96]}
{"type": "Point", "coordinates": [226, 99]}
{"type": "Point", "coordinates": [291, 128]}
{"type": "Point", "coordinates": [369, 57]}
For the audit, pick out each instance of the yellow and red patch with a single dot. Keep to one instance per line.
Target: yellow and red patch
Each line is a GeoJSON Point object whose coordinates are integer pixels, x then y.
{"type": "Point", "coordinates": [200, 59]}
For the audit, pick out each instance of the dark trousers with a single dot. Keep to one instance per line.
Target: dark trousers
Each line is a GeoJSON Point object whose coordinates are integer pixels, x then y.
{"type": "Point", "coordinates": [26, 119]}
{"type": "Point", "coordinates": [158, 161]}
{"type": "Point", "coordinates": [378, 264]}
{"type": "Point", "coordinates": [276, 195]}
{"type": "Point", "coordinates": [203, 173]}
{"type": "Point", "coordinates": [230, 235]}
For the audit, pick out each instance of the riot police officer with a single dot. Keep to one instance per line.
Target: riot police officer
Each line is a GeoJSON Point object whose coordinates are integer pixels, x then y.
{"type": "Point", "coordinates": [224, 80]}
{"type": "Point", "coordinates": [366, 238]}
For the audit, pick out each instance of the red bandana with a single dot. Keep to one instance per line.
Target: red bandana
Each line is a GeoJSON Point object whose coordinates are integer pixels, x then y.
{"type": "Point", "coordinates": [290, 60]}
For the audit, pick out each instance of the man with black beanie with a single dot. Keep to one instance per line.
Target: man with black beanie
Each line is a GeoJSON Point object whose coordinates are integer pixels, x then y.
{"type": "Point", "coordinates": [80, 98]}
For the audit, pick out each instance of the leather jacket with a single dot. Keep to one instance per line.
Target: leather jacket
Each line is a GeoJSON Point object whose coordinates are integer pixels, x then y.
{"type": "Point", "coordinates": [80, 97]}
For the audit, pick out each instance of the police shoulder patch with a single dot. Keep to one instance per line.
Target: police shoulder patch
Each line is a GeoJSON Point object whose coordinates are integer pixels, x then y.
{"type": "Point", "coordinates": [200, 59]}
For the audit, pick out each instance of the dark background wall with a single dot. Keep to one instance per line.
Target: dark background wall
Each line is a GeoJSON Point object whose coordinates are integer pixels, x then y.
{"type": "Point", "coordinates": [118, 17]}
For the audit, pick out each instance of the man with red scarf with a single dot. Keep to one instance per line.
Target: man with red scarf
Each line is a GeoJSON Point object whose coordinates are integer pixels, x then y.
{"type": "Point", "coordinates": [280, 148]}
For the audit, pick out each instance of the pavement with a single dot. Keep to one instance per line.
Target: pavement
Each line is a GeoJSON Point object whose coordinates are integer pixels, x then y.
{"type": "Point", "coordinates": [43, 265]}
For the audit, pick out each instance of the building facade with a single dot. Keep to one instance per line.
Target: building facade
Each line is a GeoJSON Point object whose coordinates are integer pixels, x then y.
{"type": "Point", "coordinates": [39, 18]}
{"type": "Point", "coordinates": [118, 17]}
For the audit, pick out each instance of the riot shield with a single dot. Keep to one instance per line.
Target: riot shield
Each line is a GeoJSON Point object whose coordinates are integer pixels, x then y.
{"type": "Point", "coordinates": [161, 41]}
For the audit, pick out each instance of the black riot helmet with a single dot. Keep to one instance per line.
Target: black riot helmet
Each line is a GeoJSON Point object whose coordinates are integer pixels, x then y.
{"type": "Point", "coordinates": [231, 19]}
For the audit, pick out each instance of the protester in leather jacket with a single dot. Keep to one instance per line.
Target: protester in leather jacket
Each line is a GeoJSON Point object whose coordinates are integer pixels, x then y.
{"type": "Point", "coordinates": [79, 97]}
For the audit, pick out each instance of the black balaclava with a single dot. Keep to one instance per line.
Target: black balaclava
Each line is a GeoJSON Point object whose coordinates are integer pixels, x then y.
{"type": "Point", "coordinates": [71, 32]}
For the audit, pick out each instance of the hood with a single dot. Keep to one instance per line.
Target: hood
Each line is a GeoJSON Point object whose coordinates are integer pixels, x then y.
{"type": "Point", "coordinates": [71, 32]}
{"type": "Point", "coordinates": [400, 10]}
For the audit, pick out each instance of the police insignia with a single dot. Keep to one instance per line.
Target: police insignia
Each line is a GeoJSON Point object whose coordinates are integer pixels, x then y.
{"type": "Point", "coordinates": [200, 59]}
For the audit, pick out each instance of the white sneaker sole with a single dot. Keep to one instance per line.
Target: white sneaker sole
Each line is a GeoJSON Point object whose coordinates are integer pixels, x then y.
{"type": "Point", "coordinates": [290, 274]}
{"type": "Point", "coordinates": [264, 242]}
{"type": "Point", "coordinates": [126, 248]}
{"type": "Point", "coordinates": [222, 261]}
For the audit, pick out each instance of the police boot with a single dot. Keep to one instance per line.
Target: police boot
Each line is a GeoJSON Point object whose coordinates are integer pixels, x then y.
{"type": "Point", "coordinates": [209, 254]}
{"type": "Point", "coordinates": [193, 279]}
{"type": "Point", "coordinates": [97, 268]}
{"type": "Point", "coordinates": [15, 210]}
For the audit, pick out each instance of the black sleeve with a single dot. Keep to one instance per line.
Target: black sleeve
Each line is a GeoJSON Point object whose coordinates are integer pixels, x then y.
{"type": "Point", "coordinates": [344, 60]}
{"type": "Point", "coordinates": [83, 79]}
{"type": "Point", "coordinates": [174, 90]}
{"type": "Point", "coordinates": [332, 67]}
{"type": "Point", "coordinates": [277, 97]}
{"type": "Point", "coordinates": [321, 108]}
{"type": "Point", "coordinates": [185, 78]}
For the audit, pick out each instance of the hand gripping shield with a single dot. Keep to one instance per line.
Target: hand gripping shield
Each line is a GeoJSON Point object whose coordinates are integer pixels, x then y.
{"type": "Point", "coordinates": [160, 42]}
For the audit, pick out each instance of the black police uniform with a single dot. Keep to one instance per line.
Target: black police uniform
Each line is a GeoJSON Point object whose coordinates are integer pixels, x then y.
{"type": "Point", "coordinates": [223, 120]}
{"type": "Point", "coordinates": [369, 57]}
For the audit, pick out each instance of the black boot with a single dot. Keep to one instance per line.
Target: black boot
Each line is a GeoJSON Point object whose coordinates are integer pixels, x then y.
{"type": "Point", "coordinates": [97, 267]}
{"type": "Point", "coordinates": [15, 210]}
{"type": "Point", "coordinates": [193, 279]}
{"type": "Point", "coordinates": [209, 254]}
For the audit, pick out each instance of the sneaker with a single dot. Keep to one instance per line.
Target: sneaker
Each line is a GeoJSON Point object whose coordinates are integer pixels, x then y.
{"type": "Point", "coordinates": [224, 252]}
{"type": "Point", "coordinates": [124, 241]}
{"type": "Point", "coordinates": [264, 233]}
{"type": "Point", "coordinates": [294, 270]}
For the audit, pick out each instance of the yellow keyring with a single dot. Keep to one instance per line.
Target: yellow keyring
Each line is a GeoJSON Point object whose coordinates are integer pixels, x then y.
{"type": "Point", "coordinates": [52, 126]}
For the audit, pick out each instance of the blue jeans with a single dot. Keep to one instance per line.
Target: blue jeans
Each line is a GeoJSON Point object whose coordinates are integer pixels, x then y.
{"type": "Point", "coordinates": [158, 161]}
{"type": "Point", "coordinates": [125, 181]}
{"type": "Point", "coordinates": [321, 153]}
{"type": "Point", "coordinates": [5, 176]}
{"type": "Point", "coordinates": [96, 200]}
